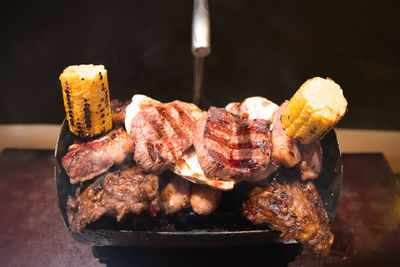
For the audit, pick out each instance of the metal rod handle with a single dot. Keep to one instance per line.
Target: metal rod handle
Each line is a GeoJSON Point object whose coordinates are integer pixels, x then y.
{"type": "Point", "coordinates": [201, 29]}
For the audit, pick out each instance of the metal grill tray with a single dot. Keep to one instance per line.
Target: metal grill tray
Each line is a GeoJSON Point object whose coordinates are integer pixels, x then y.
{"type": "Point", "coordinates": [225, 227]}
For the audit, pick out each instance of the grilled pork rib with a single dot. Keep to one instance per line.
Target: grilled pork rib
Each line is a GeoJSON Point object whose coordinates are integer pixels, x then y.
{"type": "Point", "coordinates": [295, 209]}
{"type": "Point", "coordinates": [84, 161]}
{"type": "Point", "coordinates": [161, 134]}
{"type": "Point", "coordinates": [230, 145]}
{"type": "Point", "coordinates": [118, 193]}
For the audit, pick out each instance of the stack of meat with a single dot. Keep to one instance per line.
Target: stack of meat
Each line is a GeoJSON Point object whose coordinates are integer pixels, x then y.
{"type": "Point", "coordinates": [210, 152]}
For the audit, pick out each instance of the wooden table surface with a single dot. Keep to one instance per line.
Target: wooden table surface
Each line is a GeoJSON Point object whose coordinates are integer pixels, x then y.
{"type": "Point", "coordinates": [366, 228]}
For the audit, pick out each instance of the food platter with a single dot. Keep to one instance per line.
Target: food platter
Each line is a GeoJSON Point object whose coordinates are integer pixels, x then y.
{"type": "Point", "coordinates": [225, 227]}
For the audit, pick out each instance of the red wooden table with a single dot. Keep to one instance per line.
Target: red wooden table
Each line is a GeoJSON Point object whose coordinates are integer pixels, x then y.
{"type": "Point", "coordinates": [366, 228]}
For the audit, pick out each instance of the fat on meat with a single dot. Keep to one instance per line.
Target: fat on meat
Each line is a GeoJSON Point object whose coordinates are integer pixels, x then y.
{"type": "Point", "coordinates": [85, 160]}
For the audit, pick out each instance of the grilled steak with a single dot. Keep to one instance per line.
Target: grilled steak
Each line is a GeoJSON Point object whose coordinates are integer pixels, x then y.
{"type": "Point", "coordinates": [285, 150]}
{"type": "Point", "coordinates": [162, 133]}
{"type": "Point", "coordinates": [295, 209]}
{"type": "Point", "coordinates": [117, 193]}
{"type": "Point", "coordinates": [84, 161]}
{"type": "Point", "coordinates": [230, 145]}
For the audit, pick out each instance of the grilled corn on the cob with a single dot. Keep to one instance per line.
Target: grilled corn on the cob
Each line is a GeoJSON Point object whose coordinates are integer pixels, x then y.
{"type": "Point", "coordinates": [86, 99]}
{"type": "Point", "coordinates": [314, 110]}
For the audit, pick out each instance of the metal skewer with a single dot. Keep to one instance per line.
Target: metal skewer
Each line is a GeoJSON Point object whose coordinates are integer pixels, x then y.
{"type": "Point", "coordinates": [200, 45]}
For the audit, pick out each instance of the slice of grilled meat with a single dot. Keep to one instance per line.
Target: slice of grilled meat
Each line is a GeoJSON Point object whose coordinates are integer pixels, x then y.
{"type": "Point", "coordinates": [288, 153]}
{"type": "Point", "coordinates": [293, 208]}
{"type": "Point", "coordinates": [86, 160]}
{"type": "Point", "coordinates": [117, 193]}
{"type": "Point", "coordinates": [230, 145]}
{"type": "Point", "coordinates": [188, 167]}
{"type": "Point", "coordinates": [285, 150]}
{"type": "Point", "coordinates": [162, 133]}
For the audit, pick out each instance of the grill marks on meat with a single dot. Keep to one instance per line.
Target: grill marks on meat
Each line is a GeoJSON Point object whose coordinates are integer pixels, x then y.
{"type": "Point", "coordinates": [161, 134]}
{"type": "Point", "coordinates": [84, 161]}
{"type": "Point", "coordinates": [188, 167]}
{"type": "Point", "coordinates": [230, 145]}
{"type": "Point", "coordinates": [118, 193]}
{"type": "Point", "coordinates": [295, 209]}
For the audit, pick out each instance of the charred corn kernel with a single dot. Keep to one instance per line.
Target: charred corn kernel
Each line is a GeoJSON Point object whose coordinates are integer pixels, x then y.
{"type": "Point", "coordinates": [86, 99]}
{"type": "Point", "coordinates": [314, 110]}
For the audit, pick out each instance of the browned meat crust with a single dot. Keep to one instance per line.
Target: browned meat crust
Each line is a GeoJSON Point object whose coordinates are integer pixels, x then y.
{"type": "Point", "coordinates": [175, 195]}
{"type": "Point", "coordinates": [229, 145]}
{"type": "Point", "coordinates": [118, 112]}
{"type": "Point", "coordinates": [311, 163]}
{"type": "Point", "coordinates": [288, 153]}
{"type": "Point", "coordinates": [285, 150]}
{"type": "Point", "coordinates": [118, 193]}
{"type": "Point", "coordinates": [204, 199]}
{"type": "Point", "coordinates": [87, 160]}
{"type": "Point", "coordinates": [295, 209]}
{"type": "Point", "coordinates": [161, 134]}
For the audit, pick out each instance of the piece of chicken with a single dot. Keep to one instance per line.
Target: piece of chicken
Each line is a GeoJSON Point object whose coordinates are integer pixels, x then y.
{"type": "Point", "coordinates": [253, 108]}
{"type": "Point", "coordinates": [293, 208]}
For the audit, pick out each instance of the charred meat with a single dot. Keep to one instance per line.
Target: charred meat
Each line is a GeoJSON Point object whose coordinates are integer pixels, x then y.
{"type": "Point", "coordinates": [117, 193]}
{"type": "Point", "coordinates": [293, 208]}
{"type": "Point", "coordinates": [86, 160]}
{"type": "Point", "coordinates": [230, 145]}
{"type": "Point", "coordinates": [162, 133]}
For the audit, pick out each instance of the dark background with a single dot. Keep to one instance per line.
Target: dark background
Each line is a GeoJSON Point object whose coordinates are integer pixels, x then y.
{"type": "Point", "coordinates": [266, 48]}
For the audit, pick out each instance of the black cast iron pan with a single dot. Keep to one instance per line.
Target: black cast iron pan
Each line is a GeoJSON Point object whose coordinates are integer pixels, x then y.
{"type": "Point", "coordinates": [225, 227]}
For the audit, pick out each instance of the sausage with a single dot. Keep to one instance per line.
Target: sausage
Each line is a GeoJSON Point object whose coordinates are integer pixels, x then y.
{"type": "Point", "coordinates": [175, 195]}
{"type": "Point", "coordinates": [204, 199]}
